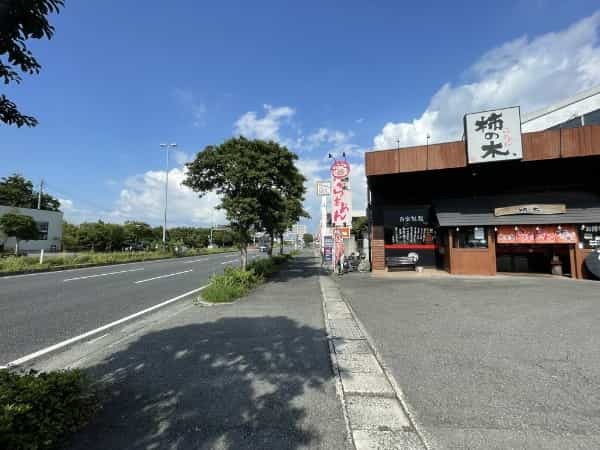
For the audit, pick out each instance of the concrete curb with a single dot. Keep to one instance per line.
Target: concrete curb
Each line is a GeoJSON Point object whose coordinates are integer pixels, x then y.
{"type": "Point", "coordinates": [373, 404]}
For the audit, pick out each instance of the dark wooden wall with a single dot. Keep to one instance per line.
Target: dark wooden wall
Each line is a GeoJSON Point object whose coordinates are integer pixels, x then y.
{"type": "Point", "coordinates": [552, 144]}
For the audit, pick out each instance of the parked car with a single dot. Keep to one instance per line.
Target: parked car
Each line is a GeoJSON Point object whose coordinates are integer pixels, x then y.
{"type": "Point", "coordinates": [263, 249]}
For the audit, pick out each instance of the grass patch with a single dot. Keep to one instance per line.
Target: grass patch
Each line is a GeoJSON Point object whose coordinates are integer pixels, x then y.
{"type": "Point", "coordinates": [12, 264]}
{"type": "Point", "coordinates": [236, 283]}
{"type": "Point", "coordinates": [40, 410]}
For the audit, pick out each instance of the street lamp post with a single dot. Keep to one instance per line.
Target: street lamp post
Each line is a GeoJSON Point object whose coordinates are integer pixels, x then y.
{"type": "Point", "coordinates": [166, 147]}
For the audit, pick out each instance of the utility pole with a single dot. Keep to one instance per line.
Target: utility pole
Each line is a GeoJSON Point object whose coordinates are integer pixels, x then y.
{"type": "Point", "coordinates": [166, 147]}
{"type": "Point", "coordinates": [40, 194]}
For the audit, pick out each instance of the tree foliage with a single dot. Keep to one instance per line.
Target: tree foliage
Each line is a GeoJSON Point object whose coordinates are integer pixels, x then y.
{"type": "Point", "coordinates": [308, 238]}
{"type": "Point", "coordinates": [21, 20]}
{"type": "Point", "coordinates": [17, 191]}
{"type": "Point", "coordinates": [253, 178]}
{"type": "Point", "coordinates": [22, 228]}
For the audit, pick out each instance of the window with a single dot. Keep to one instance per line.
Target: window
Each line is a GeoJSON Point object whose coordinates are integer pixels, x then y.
{"type": "Point", "coordinates": [470, 237]}
{"type": "Point", "coordinates": [43, 230]}
{"type": "Point", "coordinates": [589, 236]}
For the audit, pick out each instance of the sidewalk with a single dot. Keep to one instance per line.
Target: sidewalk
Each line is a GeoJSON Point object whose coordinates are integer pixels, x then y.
{"type": "Point", "coordinates": [254, 374]}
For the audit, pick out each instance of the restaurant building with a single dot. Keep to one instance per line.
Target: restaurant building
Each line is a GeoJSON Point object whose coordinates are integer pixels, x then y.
{"type": "Point", "coordinates": [497, 201]}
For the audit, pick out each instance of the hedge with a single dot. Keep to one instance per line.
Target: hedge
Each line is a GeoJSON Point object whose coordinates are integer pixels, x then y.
{"type": "Point", "coordinates": [40, 410]}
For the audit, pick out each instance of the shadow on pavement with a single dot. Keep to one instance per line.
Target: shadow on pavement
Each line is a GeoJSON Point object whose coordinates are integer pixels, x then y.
{"type": "Point", "coordinates": [302, 266]}
{"type": "Point", "coordinates": [233, 383]}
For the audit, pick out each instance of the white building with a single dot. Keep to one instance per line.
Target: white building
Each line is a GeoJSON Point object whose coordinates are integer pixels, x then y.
{"type": "Point", "coordinates": [49, 224]}
{"type": "Point", "coordinates": [577, 111]}
{"type": "Point", "coordinates": [299, 230]}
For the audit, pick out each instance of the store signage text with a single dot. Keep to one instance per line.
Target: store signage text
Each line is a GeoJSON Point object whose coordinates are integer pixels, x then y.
{"type": "Point", "coordinates": [531, 234]}
{"type": "Point", "coordinates": [323, 188]}
{"type": "Point", "coordinates": [493, 135]}
{"type": "Point", "coordinates": [341, 196]}
{"type": "Point", "coordinates": [530, 209]}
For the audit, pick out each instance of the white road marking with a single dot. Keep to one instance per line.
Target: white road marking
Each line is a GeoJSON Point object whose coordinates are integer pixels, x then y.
{"type": "Point", "coordinates": [195, 261]}
{"type": "Point", "coordinates": [62, 344]}
{"type": "Point", "coordinates": [97, 339]}
{"type": "Point", "coordinates": [230, 261]}
{"type": "Point", "coordinates": [164, 276]}
{"type": "Point", "coordinates": [102, 274]}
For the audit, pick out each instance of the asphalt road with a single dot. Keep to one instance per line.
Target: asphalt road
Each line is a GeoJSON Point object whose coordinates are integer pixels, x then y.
{"type": "Point", "coordinates": [490, 363]}
{"type": "Point", "coordinates": [40, 310]}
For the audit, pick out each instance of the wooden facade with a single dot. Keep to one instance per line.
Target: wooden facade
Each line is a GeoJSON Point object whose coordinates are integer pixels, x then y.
{"type": "Point", "coordinates": [556, 160]}
{"type": "Point", "coordinates": [542, 145]}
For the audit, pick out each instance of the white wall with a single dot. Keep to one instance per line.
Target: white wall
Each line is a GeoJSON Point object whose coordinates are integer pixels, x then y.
{"type": "Point", "coordinates": [54, 219]}
{"type": "Point", "coordinates": [560, 114]}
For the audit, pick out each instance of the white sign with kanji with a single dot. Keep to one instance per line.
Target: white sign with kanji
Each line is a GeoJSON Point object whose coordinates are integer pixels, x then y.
{"type": "Point", "coordinates": [494, 135]}
{"type": "Point", "coordinates": [341, 195]}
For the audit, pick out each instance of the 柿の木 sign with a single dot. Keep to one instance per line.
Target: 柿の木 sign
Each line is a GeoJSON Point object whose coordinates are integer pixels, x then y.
{"type": "Point", "coordinates": [493, 135]}
{"type": "Point", "coordinates": [530, 209]}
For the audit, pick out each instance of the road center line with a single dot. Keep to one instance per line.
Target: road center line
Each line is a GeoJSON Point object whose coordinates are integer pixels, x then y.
{"type": "Point", "coordinates": [195, 261]}
{"type": "Point", "coordinates": [230, 261]}
{"type": "Point", "coordinates": [62, 344]}
{"type": "Point", "coordinates": [164, 276]}
{"type": "Point", "coordinates": [102, 274]}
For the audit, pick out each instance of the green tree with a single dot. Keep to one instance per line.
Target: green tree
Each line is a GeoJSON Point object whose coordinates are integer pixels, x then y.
{"type": "Point", "coordinates": [91, 235]}
{"type": "Point", "coordinates": [308, 238]}
{"type": "Point", "coordinates": [114, 237]}
{"type": "Point", "coordinates": [70, 236]}
{"type": "Point", "coordinates": [17, 191]}
{"type": "Point", "coordinates": [245, 174]}
{"type": "Point", "coordinates": [138, 233]}
{"type": "Point", "coordinates": [360, 226]}
{"type": "Point", "coordinates": [22, 228]}
{"type": "Point", "coordinates": [21, 20]}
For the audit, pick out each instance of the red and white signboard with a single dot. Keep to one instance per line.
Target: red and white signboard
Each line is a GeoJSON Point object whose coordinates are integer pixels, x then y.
{"type": "Point", "coordinates": [341, 195]}
{"type": "Point", "coordinates": [543, 234]}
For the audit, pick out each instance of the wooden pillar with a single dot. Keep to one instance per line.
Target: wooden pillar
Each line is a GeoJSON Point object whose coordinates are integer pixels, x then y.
{"type": "Point", "coordinates": [450, 249]}
{"type": "Point", "coordinates": [492, 250]}
{"type": "Point", "coordinates": [377, 248]}
{"type": "Point", "coordinates": [573, 261]}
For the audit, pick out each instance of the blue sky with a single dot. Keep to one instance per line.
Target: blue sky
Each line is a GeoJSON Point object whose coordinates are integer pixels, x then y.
{"type": "Point", "coordinates": [118, 79]}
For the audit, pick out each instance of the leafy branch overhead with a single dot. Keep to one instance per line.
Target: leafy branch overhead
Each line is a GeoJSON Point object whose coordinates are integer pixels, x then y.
{"type": "Point", "coordinates": [21, 20]}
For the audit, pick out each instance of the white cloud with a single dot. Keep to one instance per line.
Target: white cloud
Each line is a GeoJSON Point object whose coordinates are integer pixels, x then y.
{"type": "Point", "coordinates": [266, 127]}
{"type": "Point", "coordinates": [195, 108]}
{"type": "Point", "coordinates": [182, 157]}
{"type": "Point", "coordinates": [325, 135]}
{"type": "Point", "coordinates": [532, 73]}
{"type": "Point", "coordinates": [143, 199]}
{"type": "Point", "coordinates": [65, 204]}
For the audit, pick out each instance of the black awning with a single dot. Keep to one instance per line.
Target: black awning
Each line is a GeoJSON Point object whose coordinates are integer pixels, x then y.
{"type": "Point", "coordinates": [581, 207]}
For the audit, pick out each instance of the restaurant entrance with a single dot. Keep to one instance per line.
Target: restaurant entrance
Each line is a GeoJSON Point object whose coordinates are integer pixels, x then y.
{"type": "Point", "coordinates": [535, 258]}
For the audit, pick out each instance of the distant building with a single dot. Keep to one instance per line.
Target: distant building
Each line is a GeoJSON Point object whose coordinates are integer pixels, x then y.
{"type": "Point", "coordinates": [577, 111]}
{"type": "Point", "coordinates": [299, 230]}
{"type": "Point", "coordinates": [49, 224]}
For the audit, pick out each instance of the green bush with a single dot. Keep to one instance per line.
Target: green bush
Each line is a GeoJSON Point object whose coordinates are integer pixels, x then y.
{"type": "Point", "coordinates": [39, 410]}
{"type": "Point", "coordinates": [16, 264]}
{"type": "Point", "coordinates": [234, 283]}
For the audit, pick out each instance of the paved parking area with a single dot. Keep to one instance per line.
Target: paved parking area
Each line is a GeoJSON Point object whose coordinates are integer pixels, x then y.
{"type": "Point", "coordinates": [484, 363]}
